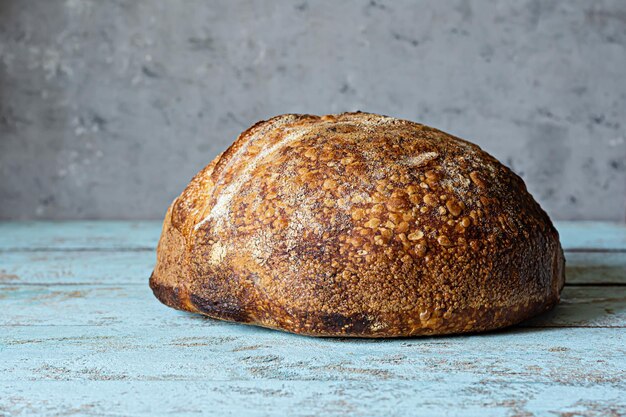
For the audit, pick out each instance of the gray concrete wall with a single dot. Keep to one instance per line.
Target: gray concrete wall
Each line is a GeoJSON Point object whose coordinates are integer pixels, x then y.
{"type": "Point", "coordinates": [108, 108]}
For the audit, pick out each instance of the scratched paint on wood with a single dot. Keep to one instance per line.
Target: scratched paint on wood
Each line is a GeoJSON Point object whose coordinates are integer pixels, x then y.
{"type": "Point", "coordinates": [489, 397]}
{"type": "Point", "coordinates": [237, 352]}
{"type": "Point", "coordinates": [79, 235]}
{"type": "Point", "coordinates": [80, 333]}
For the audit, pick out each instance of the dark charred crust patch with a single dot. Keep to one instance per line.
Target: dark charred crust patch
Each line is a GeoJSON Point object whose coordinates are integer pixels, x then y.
{"type": "Point", "coordinates": [338, 323]}
{"type": "Point", "coordinates": [226, 310]}
{"type": "Point", "coordinates": [165, 294]}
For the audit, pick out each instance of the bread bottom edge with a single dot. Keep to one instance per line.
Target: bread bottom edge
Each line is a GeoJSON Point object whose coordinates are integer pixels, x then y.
{"type": "Point", "coordinates": [316, 324]}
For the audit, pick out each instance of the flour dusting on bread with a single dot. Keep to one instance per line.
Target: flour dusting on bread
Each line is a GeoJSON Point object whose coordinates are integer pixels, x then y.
{"type": "Point", "coordinates": [357, 224]}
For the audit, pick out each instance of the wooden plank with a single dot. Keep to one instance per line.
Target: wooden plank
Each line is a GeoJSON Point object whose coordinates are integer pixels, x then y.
{"type": "Point", "coordinates": [586, 306]}
{"type": "Point", "coordinates": [580, 235]}
{"type": "Point", "coordinates": [83, 267]}
{"type": "Point", "coordinates": [242, 368]}
{"type": "Point", "coordinates": [144, 235]}
{"type": "Point", "coordinates": [134, 305]}
{"type": "Point", "coordinates": [245, 353]}
{"type": "Point", "coordinates": [492, 397]}
{"type": "Point", "coordinates": [131, 267]}
{"type": "Point", "coordinates": [79, 235]}
{"type": "Point", "coordinates": [604, 268]}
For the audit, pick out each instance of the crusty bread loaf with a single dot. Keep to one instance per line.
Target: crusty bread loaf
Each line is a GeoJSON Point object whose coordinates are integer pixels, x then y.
{"type": "Point", "coordinates": [358, 225]}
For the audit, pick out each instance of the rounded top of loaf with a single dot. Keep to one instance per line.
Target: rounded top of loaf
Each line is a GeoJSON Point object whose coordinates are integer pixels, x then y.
{"type": "Point", "coordinates": [358, 224]}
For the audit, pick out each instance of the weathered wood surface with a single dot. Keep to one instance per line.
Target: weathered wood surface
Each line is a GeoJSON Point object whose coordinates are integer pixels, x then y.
{"type": "Point", "coordinates": [79, 235]}
{"type": "Point", "coordinates": [81, 334]}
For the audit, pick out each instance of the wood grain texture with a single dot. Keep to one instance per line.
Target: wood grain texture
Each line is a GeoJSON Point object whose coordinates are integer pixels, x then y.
{"type": "Point", "coordinates": [490, 397]}
{"type": "Point", "coordinates": [81, 334]}
{"type": "Point", "coordinates": [79, 235]}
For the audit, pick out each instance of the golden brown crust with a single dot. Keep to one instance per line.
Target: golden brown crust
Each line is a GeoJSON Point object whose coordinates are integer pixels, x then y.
{"type": "Point", "coordinates": [358, 225]}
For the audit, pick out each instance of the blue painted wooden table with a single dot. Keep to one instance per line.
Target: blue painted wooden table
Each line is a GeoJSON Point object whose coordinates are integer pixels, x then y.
{"type": "Point", "coordinates": [81, 334]}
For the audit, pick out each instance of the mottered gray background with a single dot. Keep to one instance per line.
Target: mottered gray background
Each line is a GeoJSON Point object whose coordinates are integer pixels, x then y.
{"type": "Point", "coordinates": [108, 108]}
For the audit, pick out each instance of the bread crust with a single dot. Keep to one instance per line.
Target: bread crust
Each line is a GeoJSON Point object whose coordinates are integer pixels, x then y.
{"type": "Point", "coordinates": [360, 225]}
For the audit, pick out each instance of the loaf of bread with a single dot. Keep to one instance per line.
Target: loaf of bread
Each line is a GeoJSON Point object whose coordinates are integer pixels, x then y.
{"type": "Point", "coordinates": [361, 225]}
